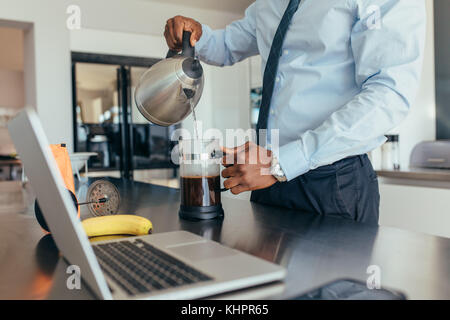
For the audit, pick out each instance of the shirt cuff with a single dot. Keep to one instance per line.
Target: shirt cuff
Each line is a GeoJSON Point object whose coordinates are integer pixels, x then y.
{"type": "Point", "coordinates": [206, 33]}
{"type": "Point", "coordinates": [292, 160]}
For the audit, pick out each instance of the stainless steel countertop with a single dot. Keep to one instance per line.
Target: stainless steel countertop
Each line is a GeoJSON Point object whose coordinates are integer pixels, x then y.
{"type": "Point", "coordinates": [314, 249]}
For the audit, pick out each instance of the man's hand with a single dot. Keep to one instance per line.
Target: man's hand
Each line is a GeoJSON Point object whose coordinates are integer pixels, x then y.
{"type": "Point", "coordinates": [174, 31]}
{"type": "Point", "coordinates": [247, 168]}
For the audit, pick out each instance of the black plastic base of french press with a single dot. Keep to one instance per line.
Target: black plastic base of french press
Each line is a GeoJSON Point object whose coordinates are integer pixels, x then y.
{"type": "Point", "coordinates": [201, 213]}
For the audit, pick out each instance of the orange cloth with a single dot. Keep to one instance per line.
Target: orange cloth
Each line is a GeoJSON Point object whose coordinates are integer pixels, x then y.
{"type": "Point", "coordinates": [65, 167]}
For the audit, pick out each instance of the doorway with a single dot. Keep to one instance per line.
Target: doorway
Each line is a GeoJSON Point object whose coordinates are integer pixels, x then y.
{"type": "Point", "coordinates": [12, 96]}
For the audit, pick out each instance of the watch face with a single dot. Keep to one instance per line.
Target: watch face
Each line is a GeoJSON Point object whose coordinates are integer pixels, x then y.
{"type": "Point", "coordinates": [276, 170]}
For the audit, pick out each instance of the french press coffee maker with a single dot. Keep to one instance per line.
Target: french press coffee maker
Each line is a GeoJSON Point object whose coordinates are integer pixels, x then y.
{"type": "Point", "coordinates": [200, 162]}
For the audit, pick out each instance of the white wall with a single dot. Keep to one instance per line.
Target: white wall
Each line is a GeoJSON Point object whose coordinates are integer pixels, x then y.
{"type": "Point", "coordinates": [231, 97]}
{"type": "Point", "coordinates": [119, 43]}
{"type": "Point", "coordinates": [147, 17]}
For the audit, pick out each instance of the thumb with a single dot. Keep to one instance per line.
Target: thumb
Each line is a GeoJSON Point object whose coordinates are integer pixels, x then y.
{"type": "Point", "coordinates": [195, 36]}
{"type": "Point", "coordinates": [228, 150]}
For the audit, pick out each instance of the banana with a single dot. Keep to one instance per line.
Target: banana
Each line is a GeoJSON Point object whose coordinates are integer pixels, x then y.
{"type": "Point", "coordinates": [105, 238]}
{"type": "Point", "coordinates": [117, 224]}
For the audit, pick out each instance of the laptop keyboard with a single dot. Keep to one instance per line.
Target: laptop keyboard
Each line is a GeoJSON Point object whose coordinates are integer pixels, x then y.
{"type": "Point", "coordinates": [138, 267]}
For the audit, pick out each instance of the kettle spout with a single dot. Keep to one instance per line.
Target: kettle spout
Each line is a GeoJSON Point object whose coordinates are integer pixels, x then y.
{"type": "Point", "coordinates": [189, 93]}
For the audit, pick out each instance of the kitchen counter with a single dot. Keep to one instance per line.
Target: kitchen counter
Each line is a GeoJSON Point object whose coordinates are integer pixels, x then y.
{"type": "Point", "coordinates": [417, 174]}
{"type": "Point", "coordinates": [314, 249]}
{"type": "Point", "coordinates": [416, 199]}
{"type": "Point", "coordinates": [419, 177]}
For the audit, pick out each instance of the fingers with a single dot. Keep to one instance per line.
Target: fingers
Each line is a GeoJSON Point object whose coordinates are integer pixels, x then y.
{"type": "Point", "coordinates": [195, 36]}
{"type": "Point", "coordinates": [239, 189]}
{"type": "Point", "coordinates": [231, 154]}
{"type": "Point", "coordinates": [169, 35]}
{"type": "Point", "coordinates": [230, 171]}
{"type": "Point", "coordinates": [236, 149]}
{"type": "Point", "coordinates": [176, 44]}
{"type": "Point", "coordinates": [178, 28]}
{"type": "Point", "coordinates": [235, 184]}
{"type": "Point", "coordinates": [231, 183]}
{"type": "Point", "coordinates": [174, 31]}
{"type": "Point", "coordinates": [229, 159]}
{"type": "Point", "coordinates": [187, 24]}
{"type": "Point", "coordinates": [169, 39]}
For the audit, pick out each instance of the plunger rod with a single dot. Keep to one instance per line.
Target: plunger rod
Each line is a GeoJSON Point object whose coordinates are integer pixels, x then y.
{"type": "Point", "coordinates": [101, 200]}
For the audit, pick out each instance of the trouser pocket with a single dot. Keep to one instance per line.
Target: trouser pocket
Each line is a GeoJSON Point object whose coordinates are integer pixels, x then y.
{"type": "Point", "coordinates": [348, 189]}
{"type": "Point", "coordinates": [332, 191]}
{"type": "Point", "coordinates": [359, 195]}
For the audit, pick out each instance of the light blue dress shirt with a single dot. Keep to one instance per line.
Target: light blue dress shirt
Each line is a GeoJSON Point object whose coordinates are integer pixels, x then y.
{"type": "Point", "coordinates": [348, 73]}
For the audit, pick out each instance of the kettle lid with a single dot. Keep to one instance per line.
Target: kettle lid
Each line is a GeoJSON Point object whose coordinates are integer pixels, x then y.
{"type": "Point", "coordinates": [192, 68]}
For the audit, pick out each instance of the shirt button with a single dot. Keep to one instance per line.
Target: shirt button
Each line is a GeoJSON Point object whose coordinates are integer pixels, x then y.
{"type": "Point", "coordinates": [277, 79]}
{"type": "Point", "coordinates": [285, 52]}
{"type": "Point", "coordinates": [272, 112]}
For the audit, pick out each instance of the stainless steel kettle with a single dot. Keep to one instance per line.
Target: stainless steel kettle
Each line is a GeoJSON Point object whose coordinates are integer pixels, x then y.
{"type": "Point", "coordinates": [166, 91]}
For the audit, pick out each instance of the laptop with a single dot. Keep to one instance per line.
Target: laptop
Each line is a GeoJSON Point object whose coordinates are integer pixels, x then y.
{"type": "Point", "coordinates": [170, 265]}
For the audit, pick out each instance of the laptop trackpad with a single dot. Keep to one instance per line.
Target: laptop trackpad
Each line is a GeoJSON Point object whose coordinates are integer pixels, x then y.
{"type": "Point", "coordinates": [202, 251]}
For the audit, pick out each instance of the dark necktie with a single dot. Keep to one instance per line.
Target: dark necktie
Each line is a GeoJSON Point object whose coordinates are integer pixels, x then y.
{"type": "Point", "coordinates": [272, 65]}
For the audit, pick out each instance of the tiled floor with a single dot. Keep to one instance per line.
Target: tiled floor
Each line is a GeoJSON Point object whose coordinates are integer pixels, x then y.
{"type": "Point", "coordinates": [14, 197]}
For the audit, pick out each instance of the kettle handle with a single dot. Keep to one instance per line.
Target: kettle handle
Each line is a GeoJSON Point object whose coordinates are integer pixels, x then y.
{"type": "Point", "coordinates": [171, 53]}
{"type": "Point", "coordinates": [187, 51]}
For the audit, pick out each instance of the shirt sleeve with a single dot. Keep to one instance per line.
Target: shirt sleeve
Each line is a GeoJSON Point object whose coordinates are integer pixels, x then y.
{"type": "Point", "coordinates": [388, 54]}
{"type": "Point", "coordinates": [230, 45]}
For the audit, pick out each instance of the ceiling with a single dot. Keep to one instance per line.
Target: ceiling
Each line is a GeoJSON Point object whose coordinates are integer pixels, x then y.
{"type": "Point", "coordinates": [235, 6]}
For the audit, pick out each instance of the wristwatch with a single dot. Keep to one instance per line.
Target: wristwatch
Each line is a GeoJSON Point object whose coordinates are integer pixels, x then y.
{"type": "Point", "coordinates": [276, 171]}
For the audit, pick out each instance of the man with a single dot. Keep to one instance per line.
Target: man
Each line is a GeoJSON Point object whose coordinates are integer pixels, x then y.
{"type": "Point", "coordinates": [338, 74]}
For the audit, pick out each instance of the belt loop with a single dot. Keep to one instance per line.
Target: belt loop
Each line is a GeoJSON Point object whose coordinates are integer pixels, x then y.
{"type": "Point", "coordinates": [303, 179]}
{"type": "Point", "coordinates": [361, 160]}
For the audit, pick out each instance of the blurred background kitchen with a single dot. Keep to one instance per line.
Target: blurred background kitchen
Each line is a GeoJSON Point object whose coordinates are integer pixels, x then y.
{"type": "Point", "coordinates": [81, 81]}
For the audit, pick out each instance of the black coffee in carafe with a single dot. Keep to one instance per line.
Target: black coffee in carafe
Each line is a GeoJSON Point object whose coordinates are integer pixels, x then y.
{"type": "Point", "coordinates": [200, 179]}
{"type": "Point", "coordinates": [200, 191]}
